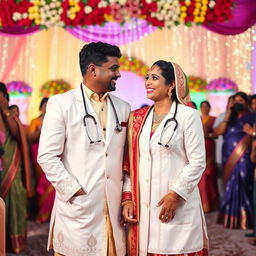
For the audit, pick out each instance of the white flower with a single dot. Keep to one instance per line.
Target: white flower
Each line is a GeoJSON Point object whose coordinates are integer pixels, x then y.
{"type": "Point", "coordinates": [148, 1]}
{"type": "Point", "coordinates": [46, 7]}
{"type": "Point", "coordinates": [122, 2]}
{"type": "Point", "coordinates": [60, 11]}
{"type": "Point", "coordinates": [52, 5]}
{"type": "Point", "coordinates": [87, 9]}
{"type": "Point", "coordinates": [24, 15]}
{"type": "Point", "coordinates": [212, 4]}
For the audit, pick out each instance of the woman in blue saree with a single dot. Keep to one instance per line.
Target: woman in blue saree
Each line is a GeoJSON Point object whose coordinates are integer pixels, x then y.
{"type": "Point", "coordinates": [236, 208]}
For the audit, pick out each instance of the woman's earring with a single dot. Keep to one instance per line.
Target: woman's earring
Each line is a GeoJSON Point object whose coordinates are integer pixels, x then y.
{"type": "Point", "coordinates": [169, 93]}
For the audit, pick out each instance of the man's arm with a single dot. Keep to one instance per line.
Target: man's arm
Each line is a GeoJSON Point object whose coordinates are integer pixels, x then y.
{"type": "Point", "coordinates": [51, 146]}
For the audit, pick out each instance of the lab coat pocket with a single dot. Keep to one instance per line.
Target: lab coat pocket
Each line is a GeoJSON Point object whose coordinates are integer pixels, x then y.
{"type": "Point", "coordinates": [183, 215]}
{"type": "Point", "coordinates": [80, 206]}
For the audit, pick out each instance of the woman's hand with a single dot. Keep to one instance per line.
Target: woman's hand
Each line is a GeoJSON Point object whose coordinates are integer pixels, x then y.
{"type": "Point", "coordinates": [128, 212]}
{"type": "Point", "coordinates": [247, 128]}
{"type": "Point", "coordinates": [170, 203]}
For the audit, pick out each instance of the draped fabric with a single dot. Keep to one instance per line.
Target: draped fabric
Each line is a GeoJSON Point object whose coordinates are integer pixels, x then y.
{"type": "Point", "coordinates": [243, 18]}
{"type": "Point", "coordinates": [208, 183]}
{"type": "Point", "coordinates": [236, 208]}
{"type": "Point", "coordinates": [14, 195]}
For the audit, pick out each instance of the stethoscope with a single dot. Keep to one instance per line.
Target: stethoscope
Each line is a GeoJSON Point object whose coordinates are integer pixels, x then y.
{"type": "Point", "coordinates": [172, 119]}
{"type": "Point", "coordinates": [118, 127]}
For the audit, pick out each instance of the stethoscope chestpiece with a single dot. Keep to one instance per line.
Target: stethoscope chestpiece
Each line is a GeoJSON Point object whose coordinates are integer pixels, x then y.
{"type": "Point", "coordinates": [118, 127]}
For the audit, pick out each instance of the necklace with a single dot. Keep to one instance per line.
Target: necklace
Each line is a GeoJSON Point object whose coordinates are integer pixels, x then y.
{"type": "Point", "coordinates": [157, 118]}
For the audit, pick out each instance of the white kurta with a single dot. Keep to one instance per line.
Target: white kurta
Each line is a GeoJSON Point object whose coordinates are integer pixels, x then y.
{"type": "Point", "coordinates": [178, 168]}
{"type": "Point", "coordinates": [70, 162]}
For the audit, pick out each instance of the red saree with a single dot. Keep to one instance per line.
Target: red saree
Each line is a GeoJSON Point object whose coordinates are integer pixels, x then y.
{"type": "Point", "coordinates": [208, 183]}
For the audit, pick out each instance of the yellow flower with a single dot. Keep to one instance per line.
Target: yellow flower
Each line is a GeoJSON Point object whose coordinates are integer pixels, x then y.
{"type": "Point", "coordinates": [183, 8]}
{"type": "Point", "coordinates": [31, 9]}
{"type": "Point", "coordinates": [108, 17]}
{"type": "Point", "coordinates": [71, 2]}
{"type": "Point", "coordinates": [196, 12]}
{"type": "Point", "coordinates": [201, 19]}
{"type": "Point", "coordinates": [77, 8]}
{"type": "Point", "coordinates": [72, 16]}
{"type": "Point", "coordinates": [31, 16]}
{"type": "Point", "coordinates": [196, 19]}
{"type": "Point", "coordinates": [183, 15]}
{"type": "Point", "coordinates": [204, 8]}
{"type": "Point", "coordinates": [197, 5]}
{"type": "Point", "coordinates": [205, 2]}
{"type": "Point", "coordinates": [37, 21]}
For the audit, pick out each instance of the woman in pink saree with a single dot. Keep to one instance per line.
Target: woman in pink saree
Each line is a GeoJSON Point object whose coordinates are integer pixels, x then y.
{"type": "Point", "coordinates": [44, 189]}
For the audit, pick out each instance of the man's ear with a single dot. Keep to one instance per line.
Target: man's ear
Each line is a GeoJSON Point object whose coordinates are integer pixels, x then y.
{"type": "Point", "coordinates": [91, 69]}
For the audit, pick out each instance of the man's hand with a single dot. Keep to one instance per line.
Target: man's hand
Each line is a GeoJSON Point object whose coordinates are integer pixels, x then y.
{"type": "Point", "coordinates": [80, 192]}
{"type": "Point", "coordinates": [169, 203]}
{"type": "Point", "coordinates": [128, 213]}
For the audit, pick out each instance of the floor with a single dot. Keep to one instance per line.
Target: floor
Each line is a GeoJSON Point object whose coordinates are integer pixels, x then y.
{"type": "Point", "coordinates": [223, 242]}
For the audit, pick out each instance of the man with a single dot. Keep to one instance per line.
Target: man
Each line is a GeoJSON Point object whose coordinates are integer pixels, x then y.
{"type": "Point", "coordinates": [81, 151]}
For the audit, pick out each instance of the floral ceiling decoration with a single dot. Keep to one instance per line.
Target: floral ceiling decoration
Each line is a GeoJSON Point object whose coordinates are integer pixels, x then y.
{"type": "Point", "coordinates": [72, 13]}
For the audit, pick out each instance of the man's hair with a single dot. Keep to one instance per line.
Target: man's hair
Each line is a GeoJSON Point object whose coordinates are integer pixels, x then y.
{"type": "Point", "coordinates": [96, 53]}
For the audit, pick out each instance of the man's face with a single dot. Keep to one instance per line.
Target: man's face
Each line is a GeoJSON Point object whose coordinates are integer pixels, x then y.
{"type": "Point", "coordinates": [107, 74]}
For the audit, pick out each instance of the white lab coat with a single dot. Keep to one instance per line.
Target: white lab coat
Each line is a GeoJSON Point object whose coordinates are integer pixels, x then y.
{"type": "Point", "coordinates": [178, 168]}
{"type": "Point", "coordinates": [70, 162]}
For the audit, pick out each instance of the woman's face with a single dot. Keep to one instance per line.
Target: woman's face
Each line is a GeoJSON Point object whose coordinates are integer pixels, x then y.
{"type": "Point", "coordinates": [205, 109]}
{"type": "Point", "coordinates": [239, 99]}
{"type": "Point", "coordinates": [155, 85]}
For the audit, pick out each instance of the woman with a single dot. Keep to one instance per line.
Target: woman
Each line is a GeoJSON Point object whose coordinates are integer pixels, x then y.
{"type": "Point", "coordinates": [11, 187]}
{"type": "Point", "coordinates": [236, 209]}
{"type": "Point", "coordinates": [45, 191]}
{"type": "Point", "coordinates": [166, 156]}
{"type": "Point", "coordinates": [208, 183]}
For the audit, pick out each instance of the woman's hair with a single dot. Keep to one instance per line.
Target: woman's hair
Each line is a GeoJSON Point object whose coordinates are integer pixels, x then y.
{"type": "Point", "coordinates": [43, 101]}
{"type": "Point", "coordinates": [234, 114]}
{"type": "Point", "coordinates": [206, 102]}
{"type": "Point", "coordinates": [13, 106]}
{"type": "Point", "coordinates": [167, 71]}
{"type": "Point", "coordinates": [3, 89]}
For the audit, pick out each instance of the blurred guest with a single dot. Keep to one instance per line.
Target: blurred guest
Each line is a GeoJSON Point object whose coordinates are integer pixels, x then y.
{"type": "Point", "coordinates": [11, 187]}
{"type": "Point", "coordinates": [16, 112]}
{"type": "Point", "coordinates": [236, 208]}
{"type": "Point", "coordinates": [253, 103]}
{"type": "Point", "coordinates": [218, 146]}
{"type": "Point", "coordinates": [208, 183]}
{"type": "Point", "coordinates": [44, 189]}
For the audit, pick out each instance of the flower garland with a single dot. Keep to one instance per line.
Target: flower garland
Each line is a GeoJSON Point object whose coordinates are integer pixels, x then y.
{"type": "Point", "coordinates": [133, 65]}
{"type": "Point", "coordinates": [161, 13]}
{"type": "Point", "coordinates": [196, 84]}
{"type": "Point", "coordinates": [15, 88]}
{"type": "Point", "coordinates": [53, 87]}
{"type": "Point", "coordinates": [222, 85]}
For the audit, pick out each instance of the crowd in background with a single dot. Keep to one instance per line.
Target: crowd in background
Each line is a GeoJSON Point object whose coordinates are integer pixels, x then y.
{"type": "Point", "coordinates": [226, 186]}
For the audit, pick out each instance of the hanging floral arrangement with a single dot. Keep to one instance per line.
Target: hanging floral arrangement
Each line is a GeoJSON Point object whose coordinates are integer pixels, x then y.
{"type": "Point", "coordinates": [18, 88]}
{"type": "Point", "coordinates": [134, 65]}
{"type": "Point", "coordinates": [196, 84]}
{"type": "Point", "coordinates": [222, 85]}
{"type": "Point", "coordinates": [70, 13]}
{"type": "Point", "coordinates": [53, 87]}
